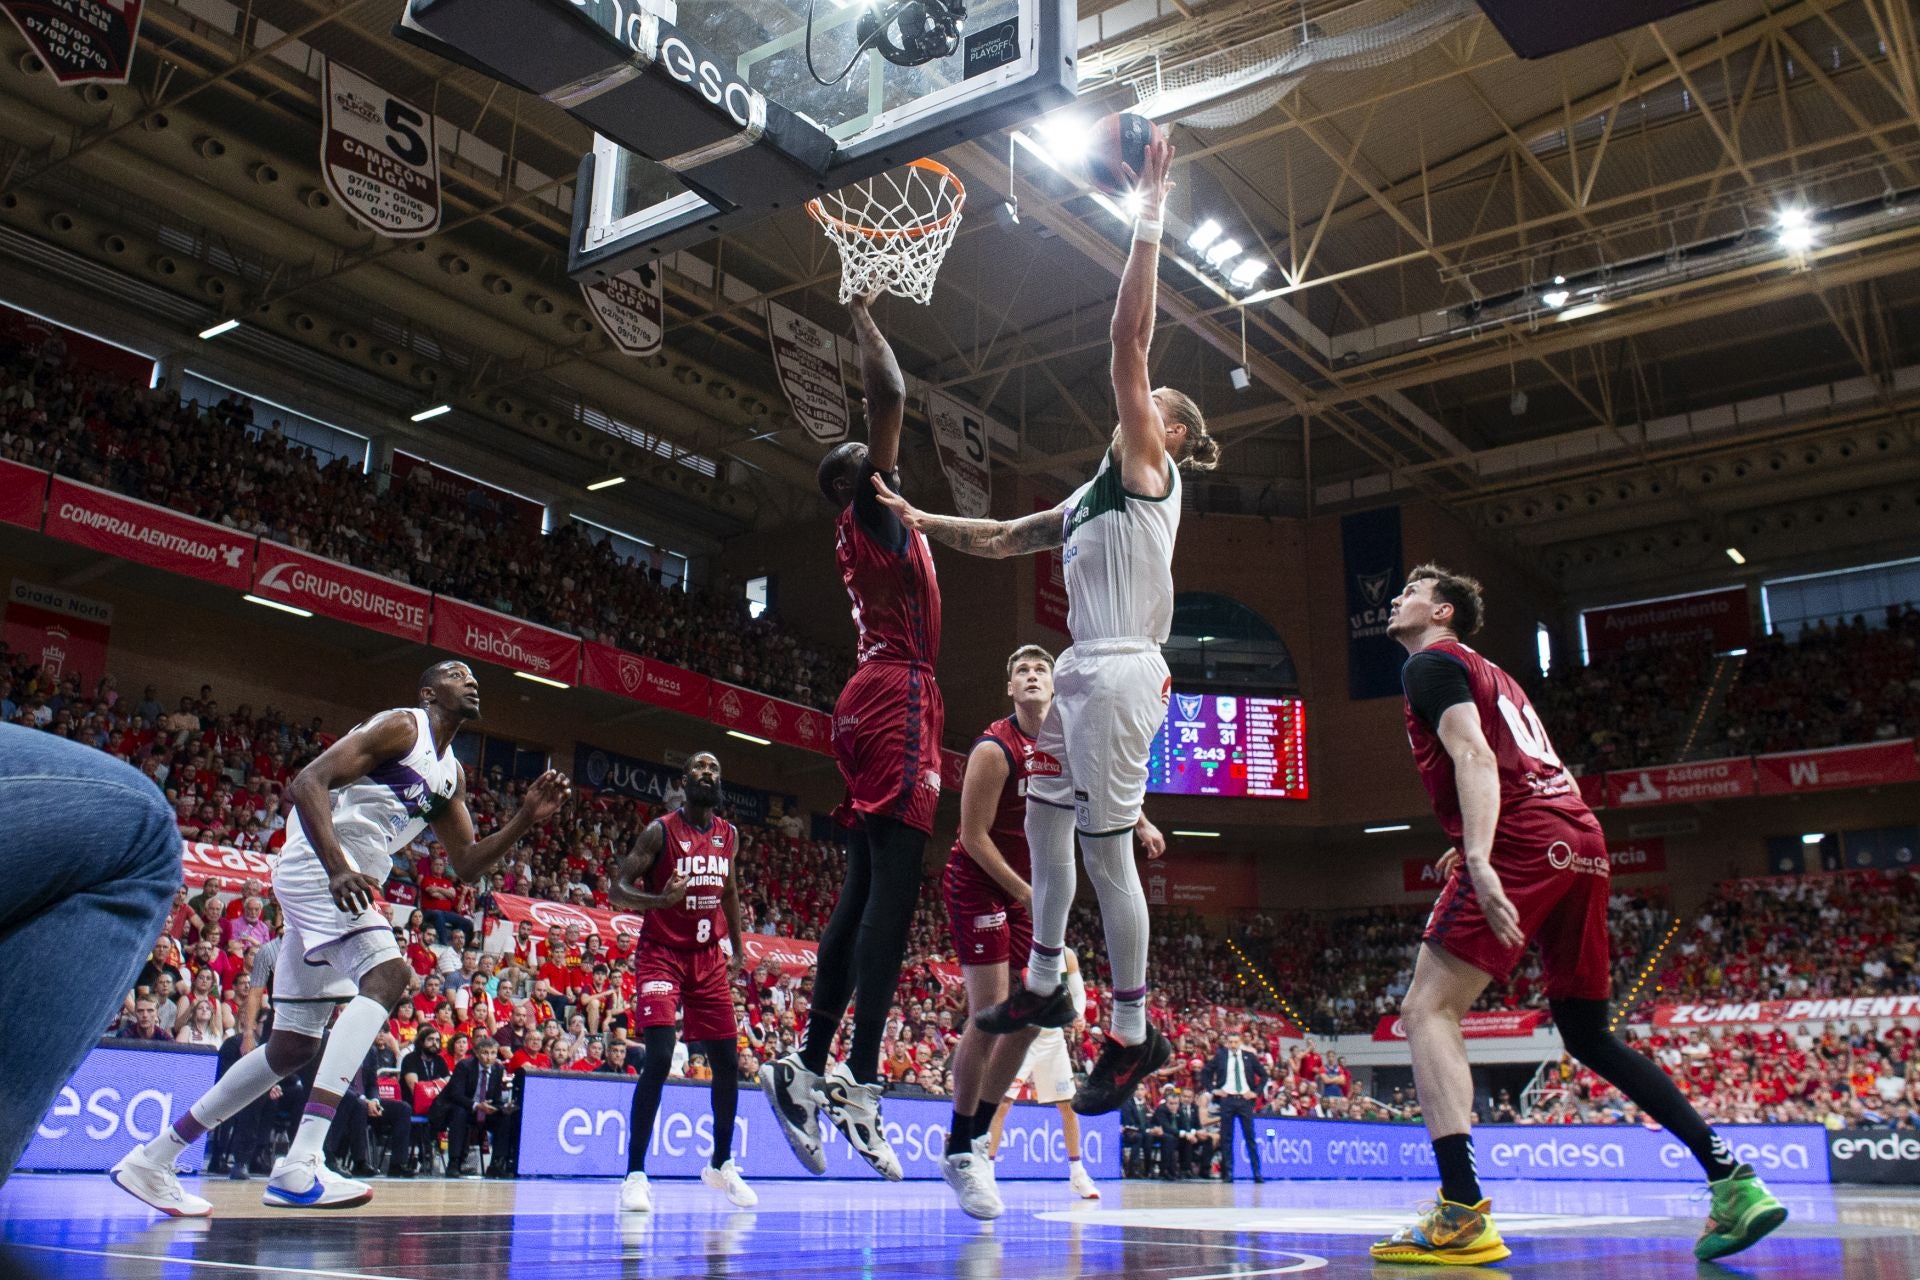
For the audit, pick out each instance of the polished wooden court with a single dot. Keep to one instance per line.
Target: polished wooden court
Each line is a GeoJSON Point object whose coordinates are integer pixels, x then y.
{"type": "Point", "coordinates": [81, 1226]}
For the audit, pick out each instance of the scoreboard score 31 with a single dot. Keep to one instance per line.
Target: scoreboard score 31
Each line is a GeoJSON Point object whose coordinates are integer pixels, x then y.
{"type": "Point", "coordinates": [1224, 745]}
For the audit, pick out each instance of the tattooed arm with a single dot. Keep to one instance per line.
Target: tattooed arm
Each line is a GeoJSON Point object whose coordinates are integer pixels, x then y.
{"type": "Point", "coordinates": [992, 539]}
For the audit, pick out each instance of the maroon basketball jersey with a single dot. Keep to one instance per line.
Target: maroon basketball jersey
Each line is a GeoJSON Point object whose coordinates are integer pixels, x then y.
{"type": "Point", "coordinates": [706, 857]}
{"type": "Point", "coordinates": [1009, 829]}
{"type": "Point", "coordinates": [896, 599]}
{"type": "Point", "coordinates": [1532, 779]}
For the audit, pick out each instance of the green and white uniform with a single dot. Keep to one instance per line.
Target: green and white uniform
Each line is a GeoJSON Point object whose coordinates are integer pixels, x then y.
{"type": "Point", "coordinates": [1110, 686]}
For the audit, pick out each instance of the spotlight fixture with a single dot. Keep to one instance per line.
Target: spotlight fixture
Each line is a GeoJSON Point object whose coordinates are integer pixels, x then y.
{"type": "Point", "coordinates": [1239, 377]}
{"type": "Point", "coordinates": [1247, 273]}
{"type": "Point", "coordinates": [1797, 231]}
{"type": "Point", "coordinates": [551, 684]}
{"type": "Point", "coordinates": [225, 326]}
{"type": "Point", "coordinates": [1555, 298]}
{"type": "Point", "coordinates": [1222, 253]}
{"type": "Point", "coordinates": [605, 482]}
{"type": "Point", "coordinates": [434, 412]}
{"type": "Point", "coordinates": [1733, 554]}
{"type": "Point", "coordinates": [1203, 236]}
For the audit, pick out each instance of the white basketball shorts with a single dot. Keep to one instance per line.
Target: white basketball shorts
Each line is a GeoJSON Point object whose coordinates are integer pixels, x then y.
{"type": "Point", "coordinates": [325, 951]}
{"type": "Point", "coordinates": [1048, 1066]}
{"type": "Point", "coordinates": [1109, 700]}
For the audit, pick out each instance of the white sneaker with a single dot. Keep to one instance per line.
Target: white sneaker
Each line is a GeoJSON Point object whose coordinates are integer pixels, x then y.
{"type": "Point", "coordinates": [635, 1195]}
{"type": "Point", "coordinates": [983, 1152]}
{"type": "Point", "coordinates": [726, 1179]}
{"type": "Point", "coordinates": [1082, 1184]}
{"type": "Point", "coordinates": [307, 1183]}
{"type": "Point", "coordinates": [789, 1087]}
{"type": "Point", "coordinates": [972, 1184]}
{"type": "Point", "coordinates": [854, 1109]}
{"type": "Point", "coordinates": [157, 1186]}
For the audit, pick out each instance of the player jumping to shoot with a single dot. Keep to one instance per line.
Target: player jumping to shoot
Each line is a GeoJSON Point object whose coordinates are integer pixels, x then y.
{"type": "Point", "coordinates": [1110, 687]}
{"type": "Point", "coordinates": [1529, 864]}
{"type": "Point", "coordinates": [683, 872]}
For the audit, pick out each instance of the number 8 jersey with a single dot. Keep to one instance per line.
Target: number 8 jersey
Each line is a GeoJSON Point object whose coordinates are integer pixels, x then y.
{"type": "Point", "coordinates": [1532, 779]}
{"type": "Point", "coordinates": [705, 855]}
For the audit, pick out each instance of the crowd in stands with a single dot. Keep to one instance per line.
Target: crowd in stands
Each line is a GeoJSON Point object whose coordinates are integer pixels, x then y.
{"type": "Point", "coordinates": [215, 462]}
{"type": "Point", "coordinates": [1625, 711]}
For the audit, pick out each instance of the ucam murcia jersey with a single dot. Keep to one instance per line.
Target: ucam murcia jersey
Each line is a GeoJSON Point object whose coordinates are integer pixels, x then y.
{"type": "Point", "coordinates": [377, 815]}
{"type": "Point", "coordinates": [1119, 558]}
{"type": "Point", "coordinates": [1009, 826]}
{"type": "Point", "coordinates": [705, 856]}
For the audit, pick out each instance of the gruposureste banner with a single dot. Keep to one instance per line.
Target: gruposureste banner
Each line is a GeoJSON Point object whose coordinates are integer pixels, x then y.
{"type": "Point", "coordinates": [1370, 545]}
{"type": "Point", "coordinates": [336, 590]}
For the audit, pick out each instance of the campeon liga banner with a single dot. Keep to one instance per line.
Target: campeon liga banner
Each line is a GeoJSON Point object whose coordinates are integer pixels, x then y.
{"type": "Point", "coordinates": [806, 357]}
{"type": "Point", "coordinates": [67, 634]}
{"type": "Point", "coordinates": [960, 438]}
{"type": "Point", "coordinates": [378, 154]}
{"type": "Point", "coordinates": [1370, 547]}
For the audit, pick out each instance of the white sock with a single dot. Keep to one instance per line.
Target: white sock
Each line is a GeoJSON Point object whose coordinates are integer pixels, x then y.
{"type": "Point", "coordinates": [1123, 913]}
{"type": "Point", "coordinates": [347, 1045]}
{"type": "Point", "coordinates": [1050, 843]}
{"type": "Point", "coordinates": [246, 1080]}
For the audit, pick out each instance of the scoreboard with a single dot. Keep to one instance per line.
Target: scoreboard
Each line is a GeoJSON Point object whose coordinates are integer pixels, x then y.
{"type": "Point", "coordinates": [1222, 745]}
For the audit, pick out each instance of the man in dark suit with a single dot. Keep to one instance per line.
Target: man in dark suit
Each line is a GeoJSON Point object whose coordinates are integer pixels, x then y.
{"type": "Point", "coordinates": [1133, 1134]}
{"type": "Point", "coordinates": [1236, 1077]}
{"type": "Point", "coordinates": [1163, 1130]}
{"type": "Point", "coordinates": [1196, 1143]}
{"type": "Point", "coordinates": [472, 1100]}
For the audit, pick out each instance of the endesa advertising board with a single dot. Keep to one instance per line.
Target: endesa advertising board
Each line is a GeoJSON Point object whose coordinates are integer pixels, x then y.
{"type": "Point", "coordinates": [1554, 1153]}
{"type": "Point", "coordinates": [574, 1125]}
{"type": "Point", "coordinates": [120, 1097]}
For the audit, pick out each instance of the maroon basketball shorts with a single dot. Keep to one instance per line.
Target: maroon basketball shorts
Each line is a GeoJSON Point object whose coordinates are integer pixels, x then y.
{"type": "Point", "coordinates": [989, 925]}
{"type": "Point", "coordinates": [886, 738]}
{"type": "Point", "coordinates": [666, 979]}
{"type": "Point", "coordinates": [1557, 876]}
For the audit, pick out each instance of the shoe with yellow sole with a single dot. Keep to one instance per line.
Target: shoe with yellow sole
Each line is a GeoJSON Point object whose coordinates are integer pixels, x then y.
{"type": "Point", "coordinates": [1447, 1234]}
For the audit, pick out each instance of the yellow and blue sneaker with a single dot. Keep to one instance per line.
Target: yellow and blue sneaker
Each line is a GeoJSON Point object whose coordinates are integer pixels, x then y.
{"type": "Point", "coordinates": [1447, 1234]}
{"type": "Point", "coordinates": [1743, 1211]}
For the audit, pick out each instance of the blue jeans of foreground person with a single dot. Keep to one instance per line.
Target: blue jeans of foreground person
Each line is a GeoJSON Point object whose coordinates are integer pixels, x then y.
{"type": "Point", "coordinates": [89, 860]}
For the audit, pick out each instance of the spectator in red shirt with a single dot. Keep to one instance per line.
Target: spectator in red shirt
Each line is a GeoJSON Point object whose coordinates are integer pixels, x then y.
{"type": "Point", "coordinates": [531, 1054]}
{"type": "Point", "coordinates": [595, 1056]}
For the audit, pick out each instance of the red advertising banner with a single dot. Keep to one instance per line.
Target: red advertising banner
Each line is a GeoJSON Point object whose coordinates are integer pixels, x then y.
{"type": "Point", "coordinates": [1681, 783]}
{"type": "Point", "coordinates": [65, 633]}
{"type": "Point", "coordinates": [149, 535]}
{"type": "Point", "coordinates": [231, 867]}
{"type": "Point", "coordinates": [953, 770]}
{"type": "Point", "coordinates": [523, 513]}
{"type": "Point", "coordinates": [1211, 884]}
{"type": "Point", "coordinates": [1775, 1012]}
{"type": "Point", "coordinates": [1720, 618]}
{"type": "Point", "coordinates": [1864, 766]}
{"type": "Point", "coordinates": [1593, 789]}
{"type": "Point", "coordinates": [1485, 1024]}
{"type": "Point", "coordinates": [1638, 857]}
{"type": "Point", "coordinates": [57, 344]}
{"type": "Point", "coordinates": [473, 632]}
{"type": "Point", "coordinates": [23, 494]}
{"type": "Point", "coordinates": [336, 590]}
{"type": "Point", "coordinates": [647, 680]}
{"type": "Point", "coordinates": [775, 719]}
{"type": "Point", "coordinates": [794, 954]}
{"type": "Point", "coordinates": [1421, 875]}
{"type": "Point", "coordinates": [1050, 584]}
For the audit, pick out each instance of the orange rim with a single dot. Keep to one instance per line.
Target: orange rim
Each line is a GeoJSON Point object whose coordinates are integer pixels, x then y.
{"type": "Point", "coordinates": [819, 214]}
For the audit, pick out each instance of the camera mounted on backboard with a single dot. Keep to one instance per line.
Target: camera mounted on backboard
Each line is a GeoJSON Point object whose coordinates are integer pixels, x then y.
{"type": "Point", "coordinates": [928, 30]}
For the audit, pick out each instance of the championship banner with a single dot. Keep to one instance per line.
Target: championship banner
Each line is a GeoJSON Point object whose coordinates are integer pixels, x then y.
{"type": "Point", "coordinates": [475, 495]}
{"type": "Point", "coordinates": [646, 680]}
{"type": "Point", "coordinates": [776, 719]}
{"type": "Point", "coordinates": [1050, 582]}
{"type": "Point", "coordinates": [23, 494]}
{"type": "Point", "coordinates": [1774, 1013]}
{"type": "Point", "coordinates": [1370, 545]}
{"type": "Point", "coordinates": [378, 154]}
{"type": "Point", "coordinates": [67, 634]}
{"type": "Point", "coordinates": [1638, 857]}
{"type": "Point", "coordinates": [807, 358]}
{"type": "Point", "coordinates": [600, 770]}
{"type": "Point", "coordinates": [1720, 619]}
{"type": "Point", "coordinates": [630, 308]}
{"type": "Point", "coordinates": [472, 632]}
{"type": "Point", "coordinates": [1682, 783]}
{"type": "Point", "coordinates": [340, 591]}
{"type": "Point", "coordinates": [1211, 884]}
{"type": "Point", "coordinates": [231, 867]}
{"type": "Point", "coordinates": [149, 535]}
{"type": "Point", "coordinates": [81, 41]}
{"type": "Point", "coordinates": [960, 438]}
{"type": "Point", "coordinates": [1481, 1024]}
{"type": "Point", "coordinates": [1865, 766]}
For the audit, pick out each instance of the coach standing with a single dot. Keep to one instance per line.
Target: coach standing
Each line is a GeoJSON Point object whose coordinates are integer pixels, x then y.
{"type": "Point", "coordinates": [1235, 1078]}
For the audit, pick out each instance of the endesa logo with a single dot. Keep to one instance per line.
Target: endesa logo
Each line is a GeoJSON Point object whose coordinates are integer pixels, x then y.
{"type": "Point", "coordinates": [1553, 1154]}
{"type": "Point", "coordinates": [118, 1099]}
{"type": "Point", "coordinates": [1892, 1146]}
{"type": "Point", "coordinates": [1768, 1157]}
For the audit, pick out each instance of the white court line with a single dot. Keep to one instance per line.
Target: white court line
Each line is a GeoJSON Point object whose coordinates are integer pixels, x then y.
{"type": "Point", "coordinates": [176, 1260]}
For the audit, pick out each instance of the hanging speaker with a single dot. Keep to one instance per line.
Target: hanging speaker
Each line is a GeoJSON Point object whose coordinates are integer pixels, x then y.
{"type": "Point", "coordinates": [1536, 30]}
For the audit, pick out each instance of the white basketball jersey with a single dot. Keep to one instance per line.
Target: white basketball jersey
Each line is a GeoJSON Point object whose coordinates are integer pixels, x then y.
{"type": "Point", "coordinates": [1119, 558]}
{"type": "Point", "coordinates": [376, 815]}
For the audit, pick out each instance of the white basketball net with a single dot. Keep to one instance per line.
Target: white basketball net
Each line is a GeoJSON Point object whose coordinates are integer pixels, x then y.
{"type": "Point", "coordinates": [893, 231]}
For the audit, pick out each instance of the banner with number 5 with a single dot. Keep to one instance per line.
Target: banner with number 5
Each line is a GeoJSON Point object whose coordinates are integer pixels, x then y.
{"type": "Point", "coordinates": [379, 156]}
{"type": "Point", "coordinates": [960, 438]}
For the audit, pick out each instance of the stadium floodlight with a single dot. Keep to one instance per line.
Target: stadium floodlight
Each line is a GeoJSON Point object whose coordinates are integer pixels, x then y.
{"type": "Point", "coordinates": [1248, 273]}
{"type": "Point", "coordinates": [1381, 831]}
{"type": "Point", "coordinates": [434, 412]}
{"type": "Point", "coordinates": [1797, 231]}
{"type": "Point", "coordinates": [1555, 298]}
{"type": "Point", "coordinates": [293, 609]}
{"type": "Point", "coordinates": [1203, 236]}
{"type": "Point", "coordinates": [1199, 835]}
{"type": "Point", "coordinates": [225, 326]}
{"type": "Point", "coordinates": [1222, 253]}
{"type": "Point", "coordinates": [1067, 138]}
{"type": "Point", "coordinates": [1813, 837]}
{"type": "Point", "coordinates": [1733, 554]}
{"type": "Point", "coordinates": [605, 482]}
{"type": "Point", "coordinates": [551, 684]}
{"type": "Point", "coordinates": [748, 737]}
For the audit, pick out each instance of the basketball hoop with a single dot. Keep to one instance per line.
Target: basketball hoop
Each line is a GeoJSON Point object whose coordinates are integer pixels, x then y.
{"type": "Point", "coordinates": [894, 230]}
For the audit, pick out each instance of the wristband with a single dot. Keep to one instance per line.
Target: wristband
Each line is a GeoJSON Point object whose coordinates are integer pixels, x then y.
{"type": "Point", "coordinates": [1148, 230]}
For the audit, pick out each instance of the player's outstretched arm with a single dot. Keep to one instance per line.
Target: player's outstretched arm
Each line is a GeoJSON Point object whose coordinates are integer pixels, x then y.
{"type": "Point", "coordinates": [470, 858]}
{"type": "Point", "coordinates": [383, 738]}
{"type": "Point", "coordinates": [884, 390]}
{"type": "Point", "coordinates": [1143, 436]}
{"type": "Point", "coordinates": [991, 539]}
{"type": "Point", "coordinates": [627, 891]}
{"type": "Point", "coordinates": [987, 771]}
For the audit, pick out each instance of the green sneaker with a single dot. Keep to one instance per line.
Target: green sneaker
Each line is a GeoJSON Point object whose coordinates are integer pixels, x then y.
{"type": "Point", "coordinates": [1743, 1211]}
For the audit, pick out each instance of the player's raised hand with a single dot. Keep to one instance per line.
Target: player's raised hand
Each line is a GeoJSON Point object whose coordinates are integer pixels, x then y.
{"type": "Point", "coordinates": [1151, 184]}
{"type": "Point", "coordinates": [1502, 916]}
{"type": "Point", "coordinates": [910, 515]}
{"type": "Point", "coordinates": [860, 302]}
{"type": "Point", "coordinates": [548, 792]}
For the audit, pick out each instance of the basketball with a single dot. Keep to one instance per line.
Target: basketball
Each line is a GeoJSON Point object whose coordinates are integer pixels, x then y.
{"type": "Point", "coordinates": [1119, 143]}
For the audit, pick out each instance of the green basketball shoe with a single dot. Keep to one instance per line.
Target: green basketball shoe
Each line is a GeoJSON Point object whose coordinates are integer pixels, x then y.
{"type": "Point", "coordinates": [1743, 1211]}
